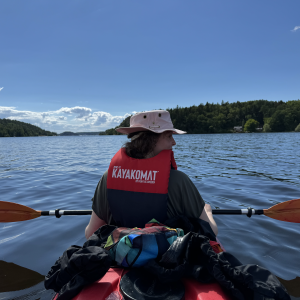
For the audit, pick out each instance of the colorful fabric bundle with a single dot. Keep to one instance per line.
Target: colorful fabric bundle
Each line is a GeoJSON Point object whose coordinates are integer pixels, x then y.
{"type": "Point", "coordinates": [134, 247]}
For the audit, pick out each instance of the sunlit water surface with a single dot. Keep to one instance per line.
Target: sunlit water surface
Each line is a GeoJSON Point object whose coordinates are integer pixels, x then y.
{"type": "Point", "coordinates": [231, 171]}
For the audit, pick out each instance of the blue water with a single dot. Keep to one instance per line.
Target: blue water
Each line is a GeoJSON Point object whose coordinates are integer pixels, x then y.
{"type": "Point", "coordinates": [231, 171]}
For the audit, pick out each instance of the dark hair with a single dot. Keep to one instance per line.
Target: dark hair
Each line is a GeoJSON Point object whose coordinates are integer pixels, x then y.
{"type": "Point", "coordinates": [143, 145]}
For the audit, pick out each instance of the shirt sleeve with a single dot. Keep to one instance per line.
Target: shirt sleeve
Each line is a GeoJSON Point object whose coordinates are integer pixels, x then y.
{"type": "Point", "coordinates": [100, 203]}
{"type": "Point", "coordinates": [184, 198]}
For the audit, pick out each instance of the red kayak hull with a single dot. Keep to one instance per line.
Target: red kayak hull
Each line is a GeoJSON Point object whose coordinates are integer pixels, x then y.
{"type": "Point", "coordinates": [109, 283]}
{"type": "Point", "coordinates": [194, 290]}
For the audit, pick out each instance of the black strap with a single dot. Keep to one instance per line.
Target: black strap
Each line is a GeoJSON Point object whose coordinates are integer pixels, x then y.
{"type": "Point", "coordinates": [57, 213]}
{"type": "Point", "coordinates": [249, 214]}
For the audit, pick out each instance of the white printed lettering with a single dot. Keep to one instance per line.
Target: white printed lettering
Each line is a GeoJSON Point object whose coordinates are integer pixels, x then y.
{"type": "Point", "coordinates": [149, 175]}
{"type": "Point", "coordinates": [141, 176]}
{"type": "Point", "coordinates": [119, 174]}
{"type": "Point", "coordinates": [144, 175]}
{"type": "Point", "coordinates": [138, 174]}
{"type": "Point", "coordinates": [127, 174]}
{"type": "Point", "coordinates": [133, 174]}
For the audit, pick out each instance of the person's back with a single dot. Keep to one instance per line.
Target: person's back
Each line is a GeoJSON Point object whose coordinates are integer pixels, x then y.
{"type": "Point", "coordinates": [142, 182]}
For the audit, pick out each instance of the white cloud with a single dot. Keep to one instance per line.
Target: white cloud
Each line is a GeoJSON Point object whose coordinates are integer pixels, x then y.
{"type": "Point", "coordinates": [100, 117]}
{"type": "Point", "coordinates": [296, 28]}
{"type": "Point", "coordinates": [1, 89]}
{"type": "Point", "coordinates": [44, 115]}
{"type": "Point", "coordinates": [77, 110]}
{"type": "Point", "coordinates": [104, 118]}
{"type": "Point", "coordinates": [65, 119]}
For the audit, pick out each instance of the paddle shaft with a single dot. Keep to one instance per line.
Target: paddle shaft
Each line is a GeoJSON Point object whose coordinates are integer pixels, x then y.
{"type": "Point", "coordinates": [62, 212]}
{"type": "Point", "coordinates": [238, 211]}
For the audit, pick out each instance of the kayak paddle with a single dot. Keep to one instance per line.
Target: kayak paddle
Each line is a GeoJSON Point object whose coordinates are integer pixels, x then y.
{"type": "Point", "coordinates": [13, 212]}
{"type": "Point", "coordinates": [288, 211]}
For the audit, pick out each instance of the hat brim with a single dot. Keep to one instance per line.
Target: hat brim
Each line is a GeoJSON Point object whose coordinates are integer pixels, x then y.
{"type": "Point", "coordinates": [128, 130]}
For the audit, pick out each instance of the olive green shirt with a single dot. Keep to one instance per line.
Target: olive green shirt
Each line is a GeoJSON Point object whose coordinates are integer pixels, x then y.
{"type": "Point", "coordinates": [184, 198]}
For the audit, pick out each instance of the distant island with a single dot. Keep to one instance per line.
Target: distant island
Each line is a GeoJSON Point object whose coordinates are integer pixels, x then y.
{"type": "Point", "coordinates": [13, 128]}
{"type": "Point", "coordinates": [250, 116]}
{"type": "Point", "coordinates": [70, 133]}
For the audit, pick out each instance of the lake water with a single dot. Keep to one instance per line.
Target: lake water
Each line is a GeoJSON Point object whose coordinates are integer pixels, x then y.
{"type": "Point", "coordinates": [231, 171]}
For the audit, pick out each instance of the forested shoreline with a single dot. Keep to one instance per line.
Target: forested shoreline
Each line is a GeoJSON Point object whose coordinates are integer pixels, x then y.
{"type": "Point", "coordinates": [276, 116]}
{"type": "Point", "coordinates": [13, 128]}
{"type": "Point", "coordinates": [70, 133]}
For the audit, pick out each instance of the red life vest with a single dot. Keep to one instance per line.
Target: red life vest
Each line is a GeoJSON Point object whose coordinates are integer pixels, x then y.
{"type": "Point", "coordinates": [137, 189]}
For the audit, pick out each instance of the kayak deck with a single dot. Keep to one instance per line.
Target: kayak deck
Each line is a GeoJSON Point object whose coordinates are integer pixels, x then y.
{"type": "Point", "coordinates": [109, 283]}
{"type": "Point", "coordinates": [194, 290]}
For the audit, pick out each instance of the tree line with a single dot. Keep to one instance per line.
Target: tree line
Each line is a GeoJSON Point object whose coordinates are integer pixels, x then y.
{"type": "Point", "coordinates": [11, 128]}
{"type": "Point", "coordinates": [276, 116]}
{"type": "Point", "coordinates": [70, 133]}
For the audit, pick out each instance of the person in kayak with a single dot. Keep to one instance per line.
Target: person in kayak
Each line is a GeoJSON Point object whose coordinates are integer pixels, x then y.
{"type": "Point", "coordinates": [143, 182]}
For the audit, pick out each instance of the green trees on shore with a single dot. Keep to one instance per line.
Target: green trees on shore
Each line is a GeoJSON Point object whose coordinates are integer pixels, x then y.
{"type": "Point", "coordinates": [11, 128]}
{"type": "Point", "coordinates": [267, 128]}
{"type": "Point", "coordinates": [219, 118]}
{"type": "Point", "coordinates": [276, 116]}
{"type": "Point", "coordinates": [251, 125]}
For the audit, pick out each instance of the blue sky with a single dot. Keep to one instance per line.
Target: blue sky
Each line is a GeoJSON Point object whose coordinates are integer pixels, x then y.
{"type": "Point", "coordinates": [85, 65]}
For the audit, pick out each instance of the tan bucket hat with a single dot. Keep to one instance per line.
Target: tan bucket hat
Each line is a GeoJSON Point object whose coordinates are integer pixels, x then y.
{"type": "Point", "coordinates": [156, 121]}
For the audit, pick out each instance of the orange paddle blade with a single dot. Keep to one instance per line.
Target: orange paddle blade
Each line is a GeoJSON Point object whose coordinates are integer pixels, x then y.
{"type": "Point", "coordinates": [288, 211]}
{"type": "Point", "coordinates": [13, 212]}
